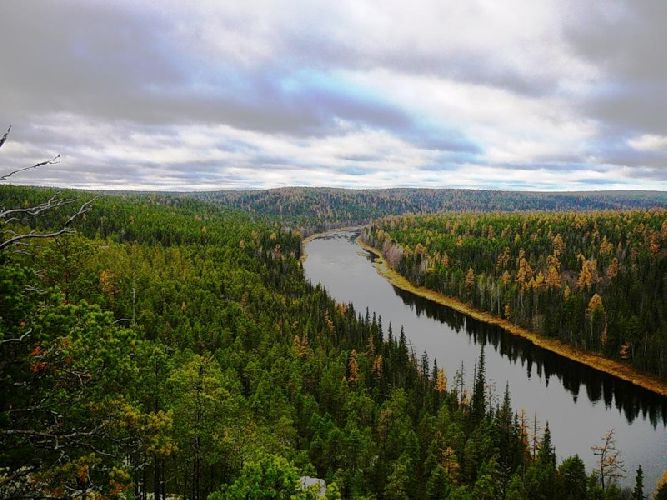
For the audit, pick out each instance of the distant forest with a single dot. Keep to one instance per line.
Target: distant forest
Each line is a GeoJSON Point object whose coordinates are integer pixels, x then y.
{"type": "Point", "coordinates": [317, 209]}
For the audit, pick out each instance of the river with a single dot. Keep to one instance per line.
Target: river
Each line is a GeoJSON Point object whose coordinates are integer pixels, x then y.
{"type": "Point", "coordinates": [579, 403]}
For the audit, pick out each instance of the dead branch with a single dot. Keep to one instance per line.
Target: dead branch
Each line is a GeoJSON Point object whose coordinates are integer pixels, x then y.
{"type": "Point", "coordinates": [52, 161]}
{"type": "Point", "coordinates": [34, 289]}
{"type": "Point", "coordinates": [11, 215]}
{"type": "Point", "coordinates": [611, 467]}
{"type": "Point", "coordinates": [4, 137]}
{"type": "Point", "coordinates": [54, 436]}
{"type": "Point", "coordinates": [16, 339]}
{"type": "Point", "coordinates": [53, 202]}
{"type": "Point", "coordinates": [65, 229]}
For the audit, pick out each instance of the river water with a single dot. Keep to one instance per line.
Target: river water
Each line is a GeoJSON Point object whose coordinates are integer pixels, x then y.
{"type": "Point", "coordinates": [580, 403]}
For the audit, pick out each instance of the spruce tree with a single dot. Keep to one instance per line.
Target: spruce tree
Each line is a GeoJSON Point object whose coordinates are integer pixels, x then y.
{"type": "Point", "coordinates": [478, 403]}
{"type": "Point", "coordinates": [638, 493]}
{"type": "Point", "coordinates": [546, 454]}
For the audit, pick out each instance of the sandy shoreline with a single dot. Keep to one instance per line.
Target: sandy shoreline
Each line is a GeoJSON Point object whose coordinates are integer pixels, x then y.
{"type": "Point", "coordinates": [609, 366]}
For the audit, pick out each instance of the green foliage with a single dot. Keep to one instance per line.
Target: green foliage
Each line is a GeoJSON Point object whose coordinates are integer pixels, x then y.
{"type": "Point", "coordinates": [595, 280]}
{"type": "Point", "coordinates": [317, 209]}
{"type": "Point", "coordinates": [268, 476]}
{"type": "Point", "coordinates": [572, 479]}
{"type": "Point", "coordinates": [175, 348]}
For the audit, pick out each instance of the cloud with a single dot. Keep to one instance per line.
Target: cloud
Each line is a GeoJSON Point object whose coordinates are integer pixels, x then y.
{"type": "Point", "coordinates": [649, 142]}
{"type": "Point", "coordinates": [350, 93]}
{"type": "Point", "coordinates": [625, 41]}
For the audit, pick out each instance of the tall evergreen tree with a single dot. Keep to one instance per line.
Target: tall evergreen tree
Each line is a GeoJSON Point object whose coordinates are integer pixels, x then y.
{"type": "Point", "coordinates": [638, 492]}
{"type": "Point", "coordinates": [478, 401]}
{"type": "Point", "coordinates": [546, 454]}
{"type": "Point", "coordinates": [572, 480]}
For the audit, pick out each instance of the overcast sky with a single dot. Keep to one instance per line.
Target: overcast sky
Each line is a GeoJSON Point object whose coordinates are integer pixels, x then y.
{"type": "Point", "coordinates": [518, 94]}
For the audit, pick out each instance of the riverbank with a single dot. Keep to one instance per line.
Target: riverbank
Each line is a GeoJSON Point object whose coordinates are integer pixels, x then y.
{"type": "Point", "coordinates": [609, 366]}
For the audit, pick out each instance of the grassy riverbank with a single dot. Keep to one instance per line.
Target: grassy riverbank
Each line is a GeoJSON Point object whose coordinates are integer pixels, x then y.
{"type": "Point", "coordinates": [609, 366]}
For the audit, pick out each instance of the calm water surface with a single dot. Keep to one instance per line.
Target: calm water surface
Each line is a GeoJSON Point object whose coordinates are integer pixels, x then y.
{"type": "Point", "coordinates": [579, 403]}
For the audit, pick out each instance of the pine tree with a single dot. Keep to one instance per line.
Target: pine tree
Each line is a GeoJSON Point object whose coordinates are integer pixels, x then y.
{"type": "Point", "coordinates": [572, 480]}
{"type": "Point", "coordinates": [403, 347]}
{"type": "Point", "coordinates": [638, 492]}
{"type": "Point", "coordinates": [478, 403]}
{"type": "Point", "coordinates": [546, 454]}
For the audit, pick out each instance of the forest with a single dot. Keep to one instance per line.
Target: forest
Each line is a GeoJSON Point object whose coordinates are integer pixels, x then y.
{"type": "Point", "coordinates": [320, 209]}
{"type": "Point", "coordinates": [596, 280]}
{"type": "Point", "coordinates": [164, 346]}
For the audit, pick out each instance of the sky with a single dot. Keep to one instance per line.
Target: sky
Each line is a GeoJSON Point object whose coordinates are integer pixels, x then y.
{"type": "Point", "coordinates": [184, 95]}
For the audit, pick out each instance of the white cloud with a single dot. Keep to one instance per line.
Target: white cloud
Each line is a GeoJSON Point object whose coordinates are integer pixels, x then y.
{"type": "Point", "coordinates": [116, 156]}
{"type": "Point", "coordinates": [649, 142]}
{"type": "Point", "coordinates": [511, 128]}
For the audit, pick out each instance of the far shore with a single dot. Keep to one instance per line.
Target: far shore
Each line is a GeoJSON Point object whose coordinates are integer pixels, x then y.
{"type": "Point", "coordinates": [595, 361]}
{"type": "Point", "coordinates": [314, 236]}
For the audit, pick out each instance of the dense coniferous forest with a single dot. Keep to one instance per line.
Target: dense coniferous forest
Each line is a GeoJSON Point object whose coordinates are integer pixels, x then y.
{"type": "Point", "coordinates": [173, 348]}
{"type": "Point", "coordinates": [595, 280]}
{"type": "Point", "coordinates": [318, 209]}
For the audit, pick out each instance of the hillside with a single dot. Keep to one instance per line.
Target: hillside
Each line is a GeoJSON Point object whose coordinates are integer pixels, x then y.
{"type": "Point", "coordinates": [323, 208]}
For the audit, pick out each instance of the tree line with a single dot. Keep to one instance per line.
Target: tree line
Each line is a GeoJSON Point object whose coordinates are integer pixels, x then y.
{"type": "Point", "coordinates": [319, 209]}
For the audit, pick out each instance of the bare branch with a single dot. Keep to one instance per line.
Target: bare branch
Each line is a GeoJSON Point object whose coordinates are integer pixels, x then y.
{"type": "Point", "coordinates": [611, 467]}
{"type": "Point", "coordinates": [22, 252]}
{"type": "Point", "coordinates": [53, 202]}
{"type": "Point", "coordinates": [4, 137]}
{"type": "Point", "coordinates": [52, 161]}
{"type": "Point", "coordinates": [65, 229]}
{"type": "Point", "coordinates": [82, 210]}
{"type": "Point", "coordinates": [32, 235]}
{"type": "Point", "coordinates": [16, 339]}
{"type": "Point", "coordinates": [47, 435]}
{"type": "Point", "coordinates": [31, 288]}
{"type": "Point", "coordinates": [11, 215]}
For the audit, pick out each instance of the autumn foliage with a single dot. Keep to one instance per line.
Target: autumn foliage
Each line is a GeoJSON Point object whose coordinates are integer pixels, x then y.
{"type": "Point", "coordinates": [596, 280]}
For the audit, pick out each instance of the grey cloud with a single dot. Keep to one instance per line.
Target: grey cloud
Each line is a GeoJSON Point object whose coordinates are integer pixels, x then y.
{"type": "Point", "coordinates": [597, 182]}
{"type": "Point", "coordinates": [439, 167]}
{"type": "Point", "coordinates": [362, 158]}
{"type": "Point", "coordinates": [652, 173]}
{"type": "Point", "coordinates": [551, 166]}
{"type": "Point", "coordinates": [318, 47]}
{"type": "Point", "coordinates": [354, 171]}
{"type": "Point", "coordinates": [626, 41]}
{"type": "Point", "coordinates": [626, 156]}
{"type": "Point", "coordinates": [641, 108]}
{"type": "Point", "coordinates": [442, 140]}
{"type": "Point", "coordinates": [109, 63]}
{"type": "Point", "coordinates": [75, 57]}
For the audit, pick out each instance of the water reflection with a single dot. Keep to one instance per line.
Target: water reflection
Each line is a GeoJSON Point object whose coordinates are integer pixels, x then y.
{"type": "Point", "coordinates": [630, 400]}
{"type": "Point", "coordinates": [580, 403]}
